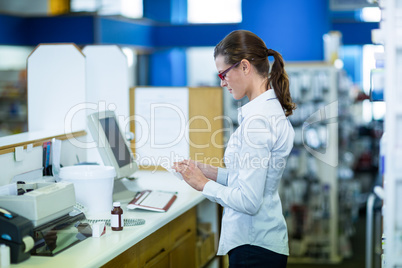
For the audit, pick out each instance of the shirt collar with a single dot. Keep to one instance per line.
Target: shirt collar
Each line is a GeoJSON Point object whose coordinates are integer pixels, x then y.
{"type": "Point", "coordinates": [248, 107]}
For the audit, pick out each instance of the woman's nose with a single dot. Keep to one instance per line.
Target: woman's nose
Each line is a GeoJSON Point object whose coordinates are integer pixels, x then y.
{"type": "Point", "coordinates": [223, 83]}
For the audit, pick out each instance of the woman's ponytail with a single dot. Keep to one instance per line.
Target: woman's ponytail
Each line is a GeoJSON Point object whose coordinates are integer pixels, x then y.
{"type": "Point", "coordinates": [279, 80]}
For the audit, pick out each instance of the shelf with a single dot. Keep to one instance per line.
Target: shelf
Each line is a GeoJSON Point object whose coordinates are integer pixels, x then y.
{"type": "Point", "coordinates": [311, 179]}
{"type": "Point", "coordinates": [13, 101]}
{"type": "Point", "coordinates": [14, 120]}
{"type": "Point", "coordinates": [13, 98]}
{"type": "Point", "coordinates": [8, 143]}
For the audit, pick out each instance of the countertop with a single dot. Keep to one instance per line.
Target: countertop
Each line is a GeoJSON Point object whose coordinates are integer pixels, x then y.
{"type": "Point", "coordinates": [94, 252]}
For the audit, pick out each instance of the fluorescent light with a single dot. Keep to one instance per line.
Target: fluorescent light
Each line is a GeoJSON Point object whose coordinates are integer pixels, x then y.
{"type": "Point", "coordinates": [214, 11]}
{"type": "Point", "coordinates": [371, 14]}
{"type": "Point", "coordinates": [338, 63]}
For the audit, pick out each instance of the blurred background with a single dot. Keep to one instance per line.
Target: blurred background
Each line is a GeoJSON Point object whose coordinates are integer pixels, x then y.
{"type": "Point", "coordinates": [333, 61]}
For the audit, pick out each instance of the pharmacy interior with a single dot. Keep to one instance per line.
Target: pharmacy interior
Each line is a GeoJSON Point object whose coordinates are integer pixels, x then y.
{"type": "Point", "coordinates": [341, 183]}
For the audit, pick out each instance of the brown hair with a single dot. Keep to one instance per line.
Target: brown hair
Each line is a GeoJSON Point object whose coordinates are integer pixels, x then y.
{"type": "Point", "coordinates": [242, 44]}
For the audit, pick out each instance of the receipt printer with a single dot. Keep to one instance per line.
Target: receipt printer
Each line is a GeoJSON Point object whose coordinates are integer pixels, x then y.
{"type": "Point", "coordinates": [16, 232]}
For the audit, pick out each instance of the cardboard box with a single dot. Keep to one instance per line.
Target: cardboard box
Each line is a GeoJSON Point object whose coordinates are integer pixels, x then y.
{"type": "Point", "coordinates": [205, 249]}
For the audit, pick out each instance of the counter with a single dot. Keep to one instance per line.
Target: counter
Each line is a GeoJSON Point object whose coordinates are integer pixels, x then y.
{"type": "Point", "coordinates": [95, 252]}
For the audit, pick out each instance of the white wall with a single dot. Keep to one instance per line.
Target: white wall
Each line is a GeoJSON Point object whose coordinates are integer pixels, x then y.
{"type": "Point", "coordinates": [33, 160]}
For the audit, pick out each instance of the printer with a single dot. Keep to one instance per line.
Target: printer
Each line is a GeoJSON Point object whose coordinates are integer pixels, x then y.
{"type": "Point", "coordinates": [44, 203]}
{"type": "Point", "coordinates": [17, 233]}
{"type": "Point", "coordinates": [45, 213]}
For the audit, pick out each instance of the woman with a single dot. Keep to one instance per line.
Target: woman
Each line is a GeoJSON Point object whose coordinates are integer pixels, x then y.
{"type": "Point", "coordinates": [254, 231]}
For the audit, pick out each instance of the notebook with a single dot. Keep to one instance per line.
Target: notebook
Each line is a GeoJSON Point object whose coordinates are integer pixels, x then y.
{"type": "Point", "coordinates": [153, 200]}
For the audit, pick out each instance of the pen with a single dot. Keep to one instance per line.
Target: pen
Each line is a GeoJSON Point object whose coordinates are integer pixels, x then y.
{"type": "Point", "coordinates": [168, 192]}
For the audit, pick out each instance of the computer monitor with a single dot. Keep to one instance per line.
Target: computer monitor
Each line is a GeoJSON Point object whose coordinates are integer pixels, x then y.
{"type": "Point", "coordinates": [112, 145]}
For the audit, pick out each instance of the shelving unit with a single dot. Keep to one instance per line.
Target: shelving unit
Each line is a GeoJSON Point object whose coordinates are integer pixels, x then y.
{"type": "Point", "coordinates": [13, 102]}
{"type": "Point", "coordinates": [309, 189]}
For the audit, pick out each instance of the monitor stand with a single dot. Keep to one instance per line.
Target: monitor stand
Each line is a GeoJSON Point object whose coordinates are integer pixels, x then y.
{"type": "Point", "coordinates": [121, 192]}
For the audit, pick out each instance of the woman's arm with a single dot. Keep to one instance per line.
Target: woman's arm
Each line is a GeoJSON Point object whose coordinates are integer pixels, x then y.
{"type": "Point", "coordinates": [211, 172]}
{"type": "Point", "coordinates": [220, 175]}
{"type": "Point", "coordinates": [197, 174]}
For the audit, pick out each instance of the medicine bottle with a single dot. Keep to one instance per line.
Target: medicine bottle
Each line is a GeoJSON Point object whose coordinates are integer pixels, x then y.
{"type": "Point", "coordinates": [117, 221]}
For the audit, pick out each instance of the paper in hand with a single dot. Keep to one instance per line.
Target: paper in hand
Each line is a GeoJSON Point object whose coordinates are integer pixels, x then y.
{"type": "Point", "coordinates": [172, 171]}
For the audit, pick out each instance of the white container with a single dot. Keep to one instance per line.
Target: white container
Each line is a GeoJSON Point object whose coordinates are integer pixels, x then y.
{"type": "Point", "coordinates": [5, 256]}
{"type": "Point", "coordinates": [93, 186]}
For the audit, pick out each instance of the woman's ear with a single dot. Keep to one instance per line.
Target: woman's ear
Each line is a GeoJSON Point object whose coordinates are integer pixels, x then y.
{"type": "Point", "coordinates": [245, 66]}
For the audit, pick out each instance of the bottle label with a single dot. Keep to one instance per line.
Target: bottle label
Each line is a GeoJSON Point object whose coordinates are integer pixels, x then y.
{"type": "Point", "coordinates": [117, 221]}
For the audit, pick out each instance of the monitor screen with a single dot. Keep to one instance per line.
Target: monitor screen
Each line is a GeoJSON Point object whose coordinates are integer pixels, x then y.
{"type": "Point", "coordinates": [116, 141]}
{"type": "Point", "coordinates": [111, 144]}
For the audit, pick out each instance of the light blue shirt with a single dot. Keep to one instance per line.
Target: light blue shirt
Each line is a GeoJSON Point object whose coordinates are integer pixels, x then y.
{"type": "Point", "coordinates": [255, 159]}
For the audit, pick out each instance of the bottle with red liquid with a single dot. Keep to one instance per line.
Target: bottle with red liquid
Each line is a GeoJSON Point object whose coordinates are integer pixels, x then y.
{"type": "Point", "coordinates": [117, 222]}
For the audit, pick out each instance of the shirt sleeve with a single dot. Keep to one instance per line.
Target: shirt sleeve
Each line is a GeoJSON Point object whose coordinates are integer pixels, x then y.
{"type": "Point", "coordinates": [254, 153]}
{"type": "Point", "coordinates": [222, 177]}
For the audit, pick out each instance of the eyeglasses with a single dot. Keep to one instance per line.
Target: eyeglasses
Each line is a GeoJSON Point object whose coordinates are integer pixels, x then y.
{"type": "Point", "coordinates": [223, 74]}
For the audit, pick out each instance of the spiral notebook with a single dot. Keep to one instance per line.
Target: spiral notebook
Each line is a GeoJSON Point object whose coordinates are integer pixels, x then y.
{"type": "Point", "coordinates": [153, 200]}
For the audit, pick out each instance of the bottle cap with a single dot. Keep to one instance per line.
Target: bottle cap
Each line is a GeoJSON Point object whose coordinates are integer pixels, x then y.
{"type": "Point", "coordinates": [116, 204]}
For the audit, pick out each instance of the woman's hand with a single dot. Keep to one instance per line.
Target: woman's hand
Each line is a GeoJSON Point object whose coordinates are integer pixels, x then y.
{"type": "Point", "coordinates": [191, 173]}
{"type": "Point", "coordinates": [211, 172]}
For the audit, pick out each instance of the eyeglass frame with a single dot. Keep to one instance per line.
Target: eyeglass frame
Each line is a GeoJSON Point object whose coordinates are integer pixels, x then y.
{"type": "Point", "coordinates": [222, 75]}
